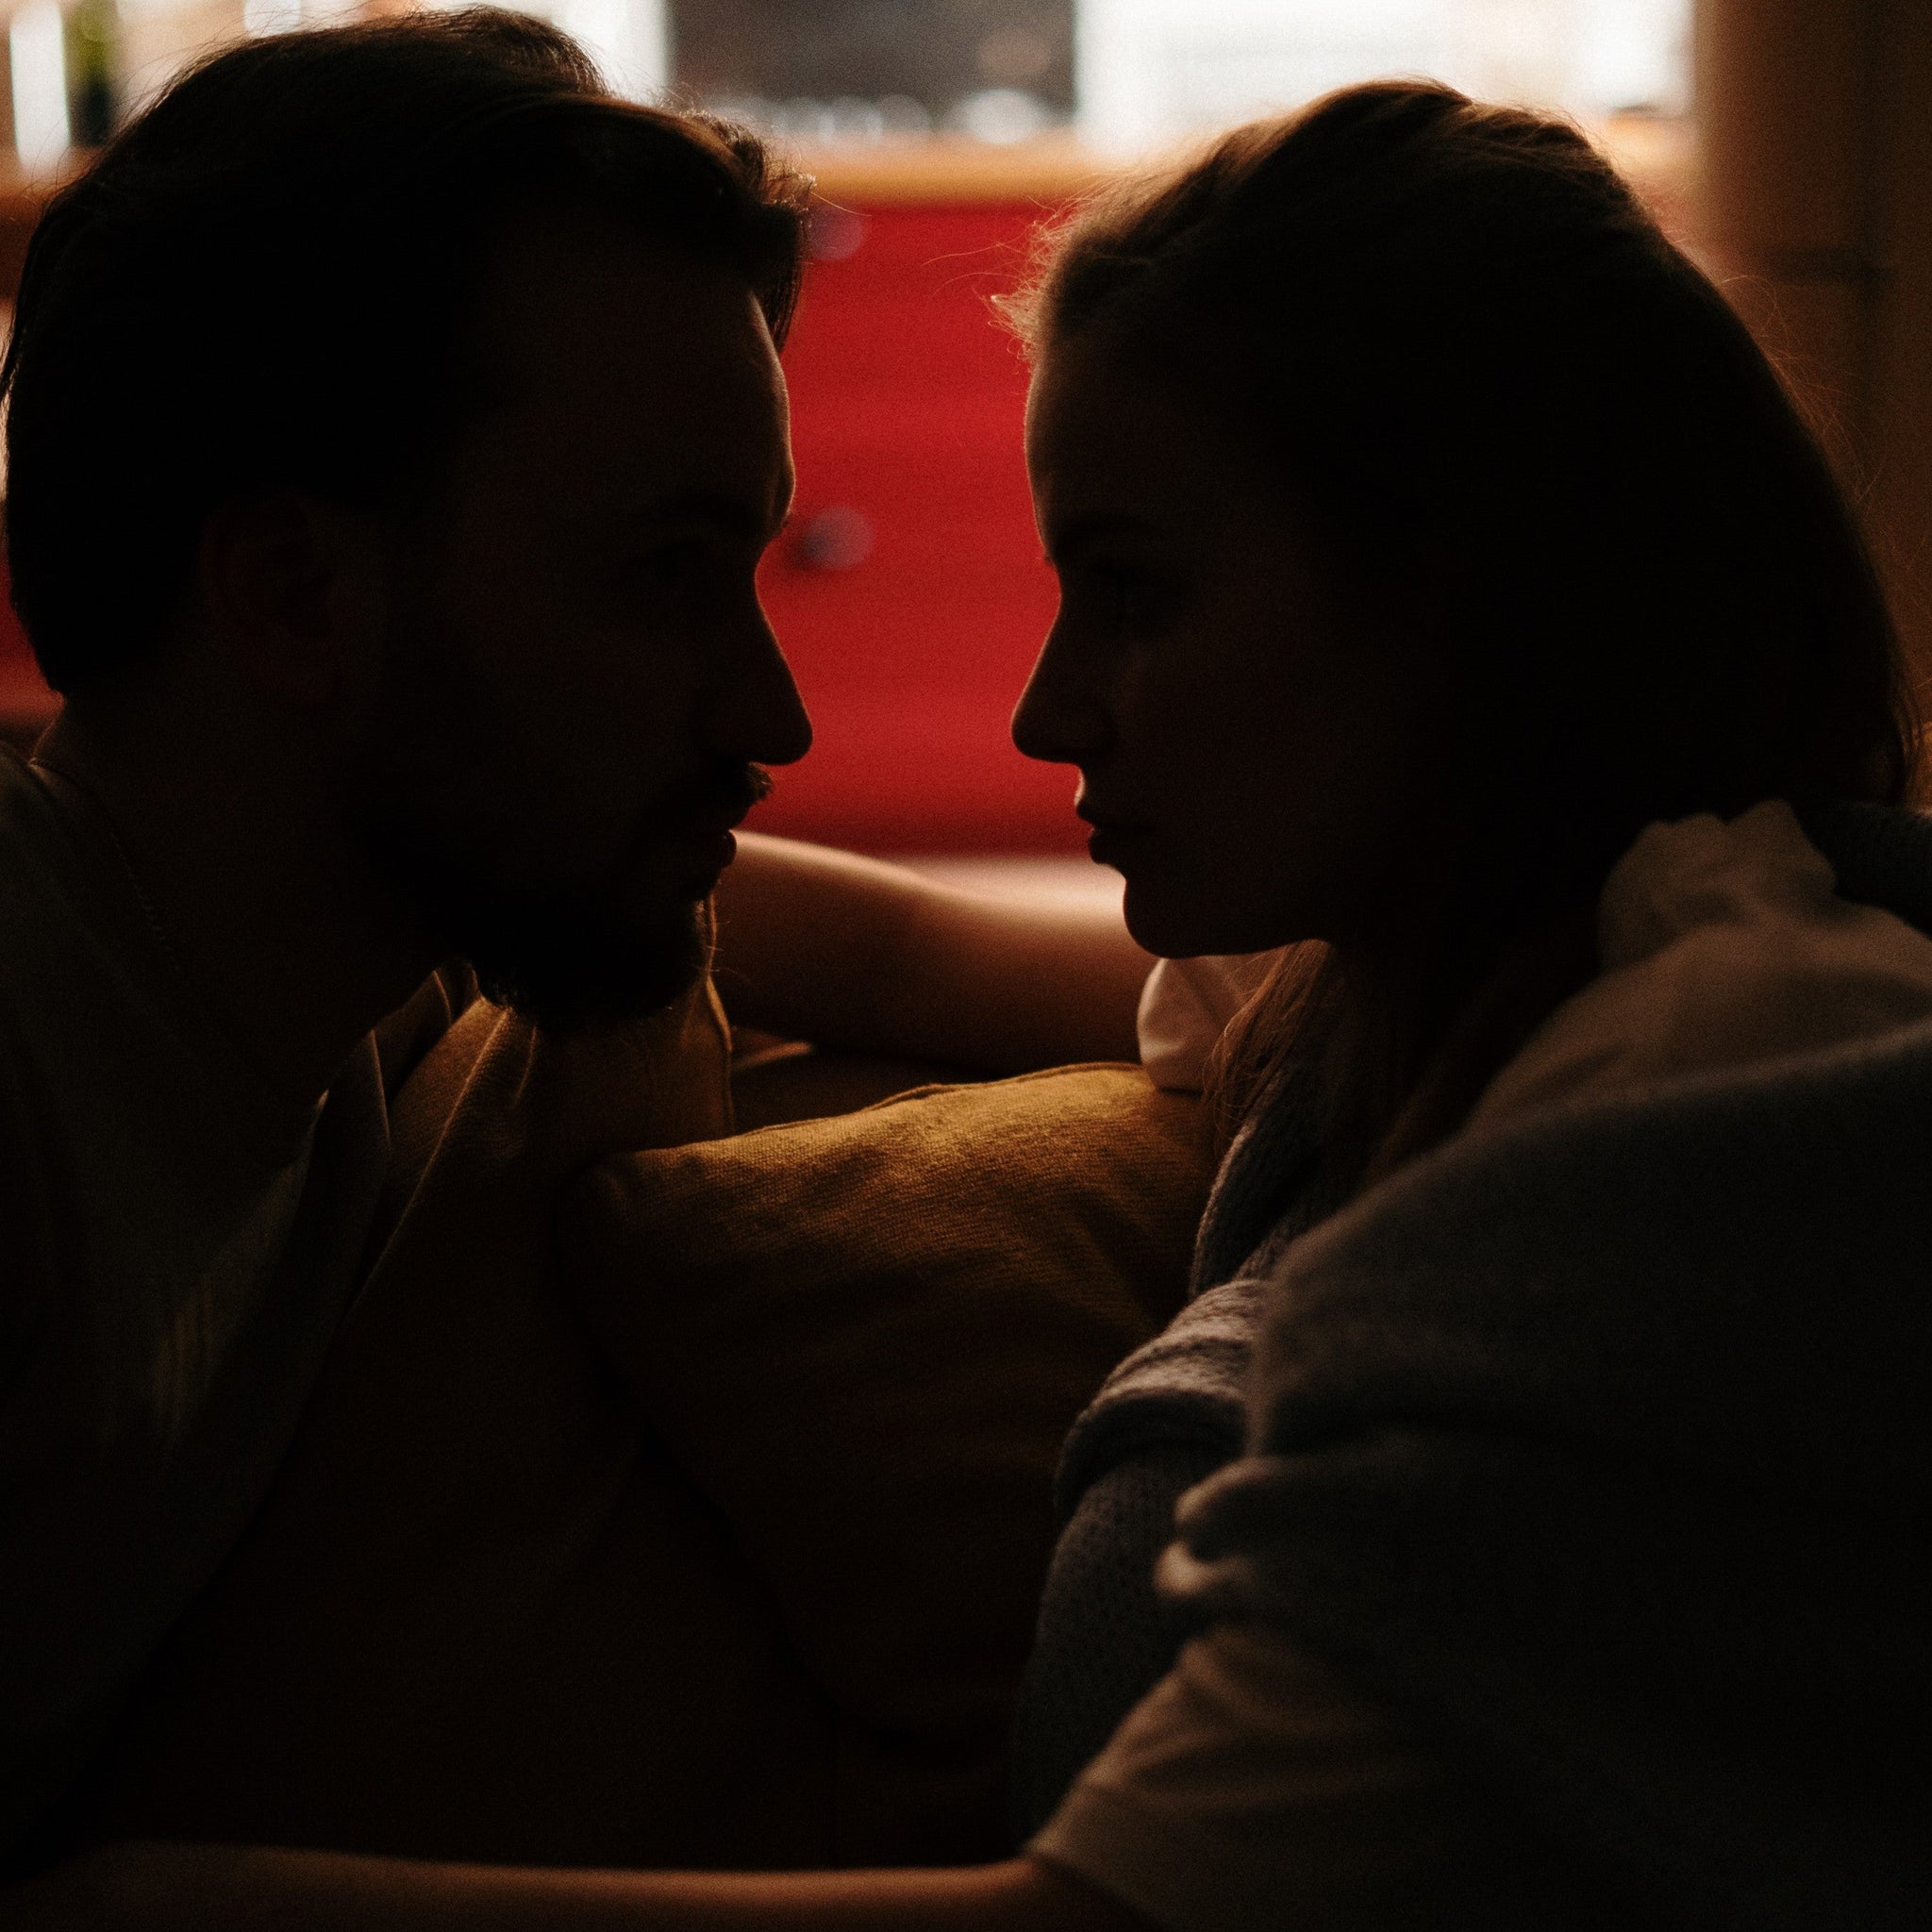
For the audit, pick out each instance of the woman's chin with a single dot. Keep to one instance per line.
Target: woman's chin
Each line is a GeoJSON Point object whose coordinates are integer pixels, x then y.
{"type": "Point", "coordinates": [1168, 930]}
{"type": "Point", "coordinates": [1177, 925]}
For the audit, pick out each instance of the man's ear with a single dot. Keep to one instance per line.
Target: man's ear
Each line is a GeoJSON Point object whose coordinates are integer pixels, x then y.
{"type": "Point", "coordinates": [295, 592]}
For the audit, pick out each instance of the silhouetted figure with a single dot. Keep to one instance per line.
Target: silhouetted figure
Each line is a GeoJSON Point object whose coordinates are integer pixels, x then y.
{"type": "Point", "coordinates": [395, 425]}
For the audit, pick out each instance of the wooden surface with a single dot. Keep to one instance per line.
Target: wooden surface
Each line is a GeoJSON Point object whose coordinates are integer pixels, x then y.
{"type": "Point", "coordinates": [942, 169]}
{"type": "Point", "coordinates": [1818, 197]}
{"type": "Point", "coordinates": [20, 202]}
{"type": "Point", "coordinates": [1052, 169]}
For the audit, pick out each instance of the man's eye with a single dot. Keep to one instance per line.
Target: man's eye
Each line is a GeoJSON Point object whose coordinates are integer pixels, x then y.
{"type": "Point", "coordinates": [670, 565]}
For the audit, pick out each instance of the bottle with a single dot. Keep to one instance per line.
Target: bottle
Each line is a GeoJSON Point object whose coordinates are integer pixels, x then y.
{"type": "Point", "coordinates": [94, 70]}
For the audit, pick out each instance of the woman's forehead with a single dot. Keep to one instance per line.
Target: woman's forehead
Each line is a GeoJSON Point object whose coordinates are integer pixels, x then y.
{"type": "Point", "coordinates": [1110, 431]}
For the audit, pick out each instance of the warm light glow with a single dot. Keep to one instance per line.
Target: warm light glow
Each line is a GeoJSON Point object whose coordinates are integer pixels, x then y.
{"type": "Point", "coordinates": [1151, 72]}
{"type": "Point", "coordinates": [629, 39]}
{"type": "Point", "coordinates": [271, 16]}
{"type": "Point", "coordinates": [36, 43]}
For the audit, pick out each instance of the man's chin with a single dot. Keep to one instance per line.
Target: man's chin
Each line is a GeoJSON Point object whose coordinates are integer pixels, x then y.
{"type": "Point", "coordinates": [569, 975]}
{"type": "Point", "coordinates": [567, 959]}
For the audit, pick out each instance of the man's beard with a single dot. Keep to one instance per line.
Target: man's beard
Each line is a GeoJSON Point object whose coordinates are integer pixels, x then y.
{"type": "Point", "coordinates": [565, 958]}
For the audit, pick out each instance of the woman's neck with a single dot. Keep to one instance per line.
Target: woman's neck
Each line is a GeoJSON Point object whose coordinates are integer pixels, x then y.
{"type": "Point", "coordinates": [1460, 1029]}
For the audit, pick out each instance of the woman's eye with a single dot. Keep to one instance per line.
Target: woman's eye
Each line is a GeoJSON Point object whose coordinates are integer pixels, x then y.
{"type": "Point", "coordinates": [1119, 594]}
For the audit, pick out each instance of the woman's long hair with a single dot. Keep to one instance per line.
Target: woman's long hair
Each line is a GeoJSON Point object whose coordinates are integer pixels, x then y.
{"type": "Point", "coordinates": [1477, 356]}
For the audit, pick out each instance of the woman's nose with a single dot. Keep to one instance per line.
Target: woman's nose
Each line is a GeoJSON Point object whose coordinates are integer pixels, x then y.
{"type": "Point", "coordinates": [1060, 718]}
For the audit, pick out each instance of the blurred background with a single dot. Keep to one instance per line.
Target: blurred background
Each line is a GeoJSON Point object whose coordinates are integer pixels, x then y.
{"type": "Point", "coordinates": [1787, 142]}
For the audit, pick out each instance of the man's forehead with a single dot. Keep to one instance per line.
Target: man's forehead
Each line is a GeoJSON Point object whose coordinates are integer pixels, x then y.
{"type": "Point", "coordinates": [648, 369]}
{"type": "Point", "coordinates": [576, 308]}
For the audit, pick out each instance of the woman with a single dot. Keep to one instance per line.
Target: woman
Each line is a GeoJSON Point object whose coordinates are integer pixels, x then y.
{"type": "Point", "coordinates": [1428, 528]}
{"type": "Point", "coordinates": [1551, 560]}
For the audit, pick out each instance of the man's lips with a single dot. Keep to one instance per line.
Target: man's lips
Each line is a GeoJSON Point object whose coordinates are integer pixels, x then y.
{"type": "Point", "coordinates": [691, 846]}
{"type": "Point", "coordinates": [711, 801]}
{"type": "Point", "coordinates": [703, 845]}
{"type": "Point", "coordinates": [703, 813]}
{"type": "Point", "coordinates": [701, 826]}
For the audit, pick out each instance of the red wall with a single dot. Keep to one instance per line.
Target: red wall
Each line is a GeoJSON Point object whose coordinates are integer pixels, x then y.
{"type": "Point", "coordinates": [25, 703]}
{"type": "Point", "coordinates": [907, 401]}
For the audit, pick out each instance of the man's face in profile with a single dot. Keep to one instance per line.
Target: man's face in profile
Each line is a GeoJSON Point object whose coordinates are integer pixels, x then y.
{"type": "Point", "coordinates": [579, 683]}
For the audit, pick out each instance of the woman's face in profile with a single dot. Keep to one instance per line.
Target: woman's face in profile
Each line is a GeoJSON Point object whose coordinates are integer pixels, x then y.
{"type": "Point", "coordinates": [1255, 729]}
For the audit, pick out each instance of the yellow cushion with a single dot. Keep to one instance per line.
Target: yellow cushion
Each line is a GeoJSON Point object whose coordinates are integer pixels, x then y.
{"type": "Point", "coordinates": [482, 1615]}
{"type": "Point", "coordinates": [758, 1598]}
{"type": "Point", "coordinates": [864, 1338]}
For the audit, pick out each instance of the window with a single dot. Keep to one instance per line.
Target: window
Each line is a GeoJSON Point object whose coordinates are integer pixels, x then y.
{"type": "Point", "coordinates": [1118, 76]}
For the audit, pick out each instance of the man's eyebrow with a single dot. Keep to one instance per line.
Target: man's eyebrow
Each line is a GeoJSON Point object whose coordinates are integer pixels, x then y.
{"type": "Point", "coordinates": [728, 513]}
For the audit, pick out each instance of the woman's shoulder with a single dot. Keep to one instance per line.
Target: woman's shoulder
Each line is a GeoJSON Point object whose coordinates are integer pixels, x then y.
{"type": "Point", "coordinates": [1186, 1006]}
{"type": "Point", "coordinates": [1726, 946]}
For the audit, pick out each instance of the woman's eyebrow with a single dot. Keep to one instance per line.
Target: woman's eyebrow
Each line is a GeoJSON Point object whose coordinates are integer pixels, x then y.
{"type": "Point", "coordinates": [1068, 535]}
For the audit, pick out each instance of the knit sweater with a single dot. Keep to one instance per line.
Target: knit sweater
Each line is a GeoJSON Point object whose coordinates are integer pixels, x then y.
{"type": "Point", "coordinates": [1551, 1447]}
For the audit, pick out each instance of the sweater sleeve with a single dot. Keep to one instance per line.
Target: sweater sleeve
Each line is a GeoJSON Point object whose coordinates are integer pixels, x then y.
{"type": "Point", "coordinates": [1254, 1790]}
{"type": "Point", "coordinates": [1166, 1419]}
{"type": "Point", "coordinates": [1105, 1637]}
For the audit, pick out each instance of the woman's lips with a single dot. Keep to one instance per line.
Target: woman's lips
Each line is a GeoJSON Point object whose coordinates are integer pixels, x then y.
{"type": "Point", "coordinates": [1109, 844]}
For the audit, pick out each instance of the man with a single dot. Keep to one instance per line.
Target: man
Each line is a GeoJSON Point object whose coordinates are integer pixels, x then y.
{"type": "Point", "coordinates": [396, 427]}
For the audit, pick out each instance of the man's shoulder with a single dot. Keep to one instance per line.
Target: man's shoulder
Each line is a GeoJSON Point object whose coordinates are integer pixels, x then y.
{"type": "Point", "coordinates": [53, 959]}
{"type": "Point", "coordinates": [67, 945]}
{"type": "Point", "coordinates": [26, 1242]}
{"type": "Point", "coordinates": [409, 1035]}
{"type": "Point", "coordinates": [34, 846]}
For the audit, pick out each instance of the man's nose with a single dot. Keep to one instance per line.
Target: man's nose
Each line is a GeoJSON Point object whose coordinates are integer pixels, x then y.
{"type": "Point", "coordinates": [760, 715]}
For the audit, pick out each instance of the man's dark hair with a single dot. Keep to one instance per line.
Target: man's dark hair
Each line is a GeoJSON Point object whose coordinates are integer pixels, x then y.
{"type": "Point", "coordinates": [267, 282]}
